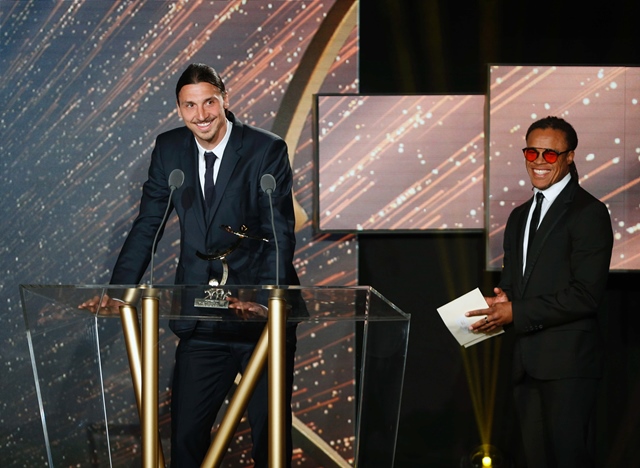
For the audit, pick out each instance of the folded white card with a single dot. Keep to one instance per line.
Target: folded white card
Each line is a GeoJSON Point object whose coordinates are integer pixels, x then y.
{"type": "Point", "coordinates": [453, 316]}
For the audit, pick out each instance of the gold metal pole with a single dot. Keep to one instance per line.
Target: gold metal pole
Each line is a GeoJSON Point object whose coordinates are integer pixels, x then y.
{"type": "Point", "coordinates": [150, 323]}
{"type": "Point", "coordinates": [277, 378]}
{"type": "Point", "coordinates": [131, 331]}
{"type": "Point", "coordinates": [238, 403]}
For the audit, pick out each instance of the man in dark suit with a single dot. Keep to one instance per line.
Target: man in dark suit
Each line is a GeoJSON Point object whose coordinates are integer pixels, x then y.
{"type": "Point", "coordinates": [220, 190]}
{"type": "Point", "coordinates": [550, 293]}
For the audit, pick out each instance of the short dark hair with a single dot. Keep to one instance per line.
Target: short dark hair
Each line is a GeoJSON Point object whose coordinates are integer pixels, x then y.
{"type": "Point", "coordinates": [556, 123]}
{"type": "Point", "coordinates": [199, 73]}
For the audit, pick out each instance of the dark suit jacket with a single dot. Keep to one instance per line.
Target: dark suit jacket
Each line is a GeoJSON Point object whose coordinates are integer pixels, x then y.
{"type": "Point", "coordinates": [249, 154]}
{"type": "Point", "coordinates": [556, 302]}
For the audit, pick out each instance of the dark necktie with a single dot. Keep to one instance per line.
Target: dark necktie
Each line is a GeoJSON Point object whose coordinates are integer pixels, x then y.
{"type": "Point", "coordinates": [209, 186]}
{"type": "Point", "coordinates": [535, 220]}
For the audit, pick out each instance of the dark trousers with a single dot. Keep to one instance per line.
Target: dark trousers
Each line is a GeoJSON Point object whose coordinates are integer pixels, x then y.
{"type": "Point", "coordinates": [204, 372]}
{"type": "Point", "coordinates": [557, 421]}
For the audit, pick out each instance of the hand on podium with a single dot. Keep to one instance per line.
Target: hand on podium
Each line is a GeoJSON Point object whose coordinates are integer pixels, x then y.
{"type": "Point", "coordinates": [245, 309]}
{"type": "Point", "coordinates": [105, 304]}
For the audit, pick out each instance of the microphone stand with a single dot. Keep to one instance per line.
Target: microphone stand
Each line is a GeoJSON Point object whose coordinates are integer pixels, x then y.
{"type": "Point", "coordinates": [276, 326]}
{"type": "Point", "coordinates": [143, 357]}
{"type": "Point", "coordinates": [150, 326]}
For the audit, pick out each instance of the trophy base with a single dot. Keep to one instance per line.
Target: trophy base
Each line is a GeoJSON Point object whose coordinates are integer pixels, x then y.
{"type": "Point", "coordinates": [211, 303]}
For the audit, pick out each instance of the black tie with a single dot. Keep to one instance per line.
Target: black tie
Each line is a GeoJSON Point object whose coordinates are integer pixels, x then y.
{"type": "Point", "coordinates": [209, 186]}
{"type": "Point", "coordinates": [535, 220]}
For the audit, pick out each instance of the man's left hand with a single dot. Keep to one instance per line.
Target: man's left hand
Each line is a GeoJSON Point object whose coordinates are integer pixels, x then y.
{"type": "Point", "coordinates": [246, 309]}
{"type": "Point", "coordinates": [497, 315]}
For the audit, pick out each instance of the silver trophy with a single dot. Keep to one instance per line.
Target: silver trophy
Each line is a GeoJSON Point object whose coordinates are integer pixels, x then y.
{"type": "Point", "coordinates": [216, 297]}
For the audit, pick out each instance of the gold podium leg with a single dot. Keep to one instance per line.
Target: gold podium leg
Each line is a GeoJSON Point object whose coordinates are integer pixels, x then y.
{"type": "Point", "coordinates": [238, 404]}
{"type": "Point", "coordinates": [274, 349]}
{"type": "Point", "coordinates": [150, 323]}
{"type": "Point", "coordinates": [132, 337]}
{"type": "Point", "coordinates": [277, 378]}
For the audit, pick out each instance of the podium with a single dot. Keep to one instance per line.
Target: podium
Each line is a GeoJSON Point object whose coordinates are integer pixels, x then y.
{"type": "Point", "coordinates": [349, 370]}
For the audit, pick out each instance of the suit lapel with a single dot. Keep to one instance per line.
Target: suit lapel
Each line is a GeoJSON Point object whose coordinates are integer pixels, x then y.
{"type": "Point", "coordinates": [522, 222]}
{"type": "Point", "coordinates": [553, 216]}
{"type": "Point", "coordinates": [192, 175]}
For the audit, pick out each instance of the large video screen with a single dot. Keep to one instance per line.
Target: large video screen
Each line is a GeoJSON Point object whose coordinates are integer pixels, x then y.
{"type": "Point", "coordinates": [603, 105]}
{"type": "Point", "coordinates": [399, 163]}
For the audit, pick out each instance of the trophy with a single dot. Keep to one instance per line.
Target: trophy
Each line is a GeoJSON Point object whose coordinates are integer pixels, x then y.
{"type": "Point", "coordinates": [216, 297]}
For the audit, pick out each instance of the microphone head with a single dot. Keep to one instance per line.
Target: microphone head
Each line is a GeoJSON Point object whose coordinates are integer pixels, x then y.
{"type": "Point", "coordinates": [268, 183]}
{"type": "Point", "coordinates": [176, 178]}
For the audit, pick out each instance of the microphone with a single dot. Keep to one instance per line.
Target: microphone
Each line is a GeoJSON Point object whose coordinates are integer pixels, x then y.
{"type": "Point", "coordinates": [268, 185]}
{"type": "Point", "coordinates": [176, 178]}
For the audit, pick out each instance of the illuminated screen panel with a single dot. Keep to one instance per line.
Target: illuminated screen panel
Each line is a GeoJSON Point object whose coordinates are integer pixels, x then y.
{"type": "Point", "coordinates": [603, 105]}
{"type": "Point", "coordinates": [399, 163]}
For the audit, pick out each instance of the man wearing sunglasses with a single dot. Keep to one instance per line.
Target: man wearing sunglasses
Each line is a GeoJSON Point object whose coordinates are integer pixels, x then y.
{"type": "Point", "coordinates": [557, 251]}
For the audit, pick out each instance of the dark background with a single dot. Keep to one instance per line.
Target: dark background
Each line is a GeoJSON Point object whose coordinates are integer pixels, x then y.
{"type": "Point", "coordinates": [426, 46]}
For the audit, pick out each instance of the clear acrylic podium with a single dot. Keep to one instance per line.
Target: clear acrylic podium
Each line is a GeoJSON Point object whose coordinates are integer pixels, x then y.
{"type": "Point", "coordinates": [349, 370]}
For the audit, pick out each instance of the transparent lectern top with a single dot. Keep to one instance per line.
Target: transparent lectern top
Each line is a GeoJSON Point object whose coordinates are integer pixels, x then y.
{"type": "Point", "coordinates": [357, 303]}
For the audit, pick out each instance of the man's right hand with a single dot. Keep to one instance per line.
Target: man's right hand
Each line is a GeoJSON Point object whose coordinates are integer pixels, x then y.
{"type": "Point", "coordinates": [106, 305]}
{"type": "Point", "coordinates": [497, 315]}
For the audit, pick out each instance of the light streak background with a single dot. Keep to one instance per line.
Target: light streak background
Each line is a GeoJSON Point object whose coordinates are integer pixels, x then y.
{"type": "Point", "coordinates": [603, 105]}
{"type": "Point", "coordinates": [86, 86]}
{"type": "Point", "coordinates": [399, 163]}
